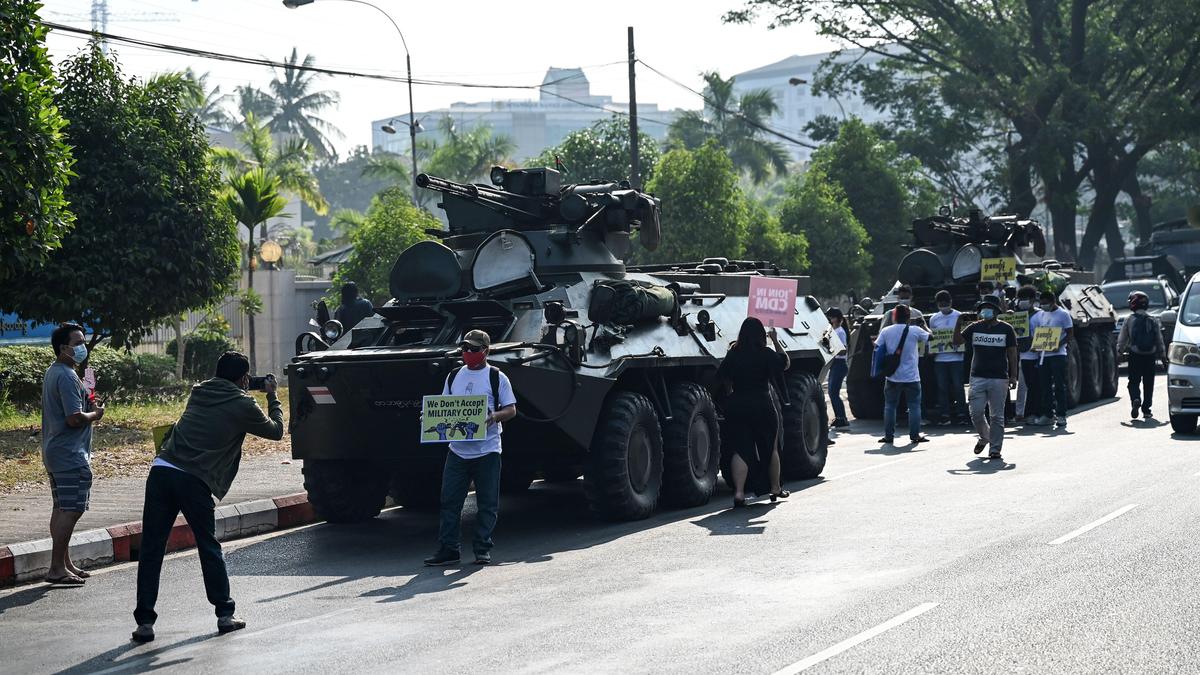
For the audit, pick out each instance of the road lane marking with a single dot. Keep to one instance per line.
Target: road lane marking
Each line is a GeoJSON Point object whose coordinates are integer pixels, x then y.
{"type": "Point", "coordinates": [869, 468]}
{"type": "Point", "coordinates": [862, 637]}
{"type": "Point", "coordinates": [1094, 524]}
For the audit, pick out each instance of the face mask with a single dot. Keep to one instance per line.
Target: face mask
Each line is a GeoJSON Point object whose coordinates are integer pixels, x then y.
{"type": "Point", "coordinates": [904, 301]}
{"type": "Point", "coordinates": [1047, 307]}
{"type": "Point", "coordinates": [474, 359]}
{"type": "Point", "coordinates": [1024, 304]}
{"type": "Point", "coordinates": [945, 309]}
{"type": "Point", "coordinates": [987, 314]}
{"type": "Point", "coordinates": [79, 354]}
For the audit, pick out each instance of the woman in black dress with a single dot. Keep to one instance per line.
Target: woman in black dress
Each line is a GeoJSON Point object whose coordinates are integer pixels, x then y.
{"type": "Point", "coordinates": [751, 418]}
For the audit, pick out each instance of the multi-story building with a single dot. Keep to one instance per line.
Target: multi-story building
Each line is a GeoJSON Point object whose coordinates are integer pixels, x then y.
{"type": "Point", "coordinates": [564, 104]}
{"type": "Point", "coordinates": [790, 82]}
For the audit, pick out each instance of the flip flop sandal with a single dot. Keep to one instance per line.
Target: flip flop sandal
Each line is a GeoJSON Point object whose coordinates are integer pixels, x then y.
{"type": "Point", "coordinates": [68, 580]}
{"type": "Point", "coordinates": [83, 574]}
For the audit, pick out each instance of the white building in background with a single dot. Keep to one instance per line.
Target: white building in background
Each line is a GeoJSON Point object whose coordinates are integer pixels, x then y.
{"type": "Point", "coordinates": [564, 104]}
{"type": "Point", "coordinates": [797, 104]}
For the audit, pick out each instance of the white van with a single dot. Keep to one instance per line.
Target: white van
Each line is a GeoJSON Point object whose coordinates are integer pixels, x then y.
{"type": "Point", "coordinates": [1183, 373]}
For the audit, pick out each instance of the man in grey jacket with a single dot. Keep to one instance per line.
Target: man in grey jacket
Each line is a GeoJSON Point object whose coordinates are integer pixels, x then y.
{"type": "Point", "coordinates": [198, 461]}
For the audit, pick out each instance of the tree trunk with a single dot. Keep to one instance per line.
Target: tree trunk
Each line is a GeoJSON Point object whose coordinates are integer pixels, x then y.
{"type": "Point", "coordinates": [250, 315]}
{"type": "Point", "coordinates": [1021, 199]}
{"type": "Point", "coordinates": [1063, 216]}
{"type": "Point", "coordinates": [1141, 207]}
{"type": "Point", "coordinates": [180, 348]}
{"type": "Point", "coordinates": [1101, 220]}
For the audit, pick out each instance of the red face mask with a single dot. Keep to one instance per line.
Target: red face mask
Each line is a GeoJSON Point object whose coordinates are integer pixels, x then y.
{"type": "Point", "coordinates": [474, 359]}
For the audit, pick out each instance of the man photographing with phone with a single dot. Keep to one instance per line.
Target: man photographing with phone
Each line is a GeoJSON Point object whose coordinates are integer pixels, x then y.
{"type": "Point", "coordinates": [198, 460]}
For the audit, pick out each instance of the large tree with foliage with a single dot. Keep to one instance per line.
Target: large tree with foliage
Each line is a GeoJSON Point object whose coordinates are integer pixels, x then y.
{"type": "Point", "coordinates": [35, 161]}
{"type": "Point", "coordinates": [736, 123]}
{"type": "Point", "coordinates": [287, 161]}
{"type": "Point", "coordinates": [152, 241]}
{"type": "Point", "coordinates": [600, 153]}
{"type": "Point", "coordinates": [704, 212]}
{"type": "Point", "coordinates": [884, 191]}
{"type": "Point", "coordinates": [345, 187]}
{"type": "Point", "coordinates": [300, 104]}
{"type": "Point", "coordinates": [817, 208]}
{"type": "Point", "coordinates": [392, 224]}
{"type": "Point", "coordinates": [766, 239]}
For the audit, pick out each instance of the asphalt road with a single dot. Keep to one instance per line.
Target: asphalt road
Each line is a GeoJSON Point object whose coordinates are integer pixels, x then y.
{"type": "Point", "coordinates": [899, 560]}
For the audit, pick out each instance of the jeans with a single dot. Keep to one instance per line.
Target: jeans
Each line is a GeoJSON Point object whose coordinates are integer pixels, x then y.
{"type": "Point", "coordinates": [1141, 370]}
{"type": "Point", "coordinates": [837, 375]}
{"type": "Point", "coordinates": [990, 393]}
{"type": "Point", "coordinates": [169, 491]}
{"type": "Point", "coordinates": [949, 376]}
{"type": "Point", "coordinates": [1033, 389]}
{"type": "Point", "coordinates": [891, 398]}
{"type": "Point", "coordinates": [456, 479]}
{"type": "Point", "coordinates": [1053, 376]}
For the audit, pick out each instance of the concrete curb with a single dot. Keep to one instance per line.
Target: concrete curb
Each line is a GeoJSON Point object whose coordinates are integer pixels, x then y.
{"type": "Point", "coordinates": [29, 561]}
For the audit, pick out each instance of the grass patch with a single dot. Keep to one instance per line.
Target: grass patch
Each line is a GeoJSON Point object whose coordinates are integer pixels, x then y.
{"type": "Point", "coordinates": [122, 444]}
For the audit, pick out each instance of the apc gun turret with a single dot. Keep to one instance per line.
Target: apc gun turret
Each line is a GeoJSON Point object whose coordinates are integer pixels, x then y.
{"type": "Point", "coordinates": [611, 366]}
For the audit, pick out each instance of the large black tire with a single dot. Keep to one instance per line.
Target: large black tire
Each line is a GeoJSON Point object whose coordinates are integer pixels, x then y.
{"type": "Point", "coordinates": [865, 395]}
{"type": "Point", "coordinates": [1109, 383]}
{"type": "Point", "coordinates": [691, 447]}
{"type": "Point", "coordinates": [624, 472]}
{"type": "Point", "coordinates": [1074, 377]}
{"type": "Point", "coordinates": [1183, 424]}
{"type": "Point", "coordinates": [417, 487]}
{"type": "Point", "coordinates": [805, 445]}
{"type": "Point", "coordinates": [345, 491]}
{"type": "Point", "coordinates": [1091, 368]}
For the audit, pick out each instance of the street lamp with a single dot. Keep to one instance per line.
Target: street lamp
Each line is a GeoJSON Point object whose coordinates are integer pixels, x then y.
{"type": "Point", "coordinates": [412, 123]}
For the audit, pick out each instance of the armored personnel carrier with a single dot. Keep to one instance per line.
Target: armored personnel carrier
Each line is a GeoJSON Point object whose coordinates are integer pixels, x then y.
{"type": "Point", "coordinates": [948, 253]}
{"type": "Point", "coordinates": [613, 367]}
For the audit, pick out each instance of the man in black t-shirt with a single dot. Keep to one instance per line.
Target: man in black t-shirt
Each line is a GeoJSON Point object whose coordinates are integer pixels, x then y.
{"type": "Point", "coordinates": [992, 355]}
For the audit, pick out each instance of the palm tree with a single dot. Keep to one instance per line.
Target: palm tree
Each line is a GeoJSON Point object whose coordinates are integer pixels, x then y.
{"type": "Point", "coordinates": [299, 105]}
{"type": "Point", "coordinates": [287, 161]}
{"type": "Point", "coordinates": [736, 123]}
{"type": "Point", "coordinates": [253, 198]}
{"type": "Point", "coordinates": [252, 101]}
{"type": "Point", "coordinates": [207, 104]}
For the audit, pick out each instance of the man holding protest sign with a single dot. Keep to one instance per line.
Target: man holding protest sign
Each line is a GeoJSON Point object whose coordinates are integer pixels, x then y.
{"type": "Point", "coordinates": [947, 361]}
{"type": "Point", "coordinates": [992, 351]}
{"type": "Point", "coordinates": [1051, 329]}
{"type": "Point", "coordinates": [475, 460]}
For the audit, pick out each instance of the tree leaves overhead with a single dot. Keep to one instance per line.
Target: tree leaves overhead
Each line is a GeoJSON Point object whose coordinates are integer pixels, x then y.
{"type": "Point", "coordinates": [733, 122]}
{"type": "Point", "coordinates": [392, 224]}
{"type": "Point", "coordinates": [35, 161]}
{"type": "Point", "coordinates": [287, 161]}
{"type": "Point", "coordinates": [600, 153]}
{"type": "Point", "coordinates": [817, 208]}
{"type": "Point", "coordinates": [298, 105]}
{"type": "Point", "coordinates": [152, 240]}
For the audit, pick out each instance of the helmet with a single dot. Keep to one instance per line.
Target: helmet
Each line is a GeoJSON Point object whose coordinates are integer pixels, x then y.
{"type": "Point", "coordinates": [1138, 300]}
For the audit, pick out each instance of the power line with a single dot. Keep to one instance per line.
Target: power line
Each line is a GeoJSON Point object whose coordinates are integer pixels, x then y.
{"type": "Point", "coordinates": [754, 123]}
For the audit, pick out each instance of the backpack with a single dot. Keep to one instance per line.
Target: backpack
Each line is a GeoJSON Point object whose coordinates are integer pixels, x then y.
{"type": "Point", "coordinates": [1141, 334]}
{"type": "Point", "coordinates": [625, 302]}
{"type": "Point", "coordinates": [493, 380]}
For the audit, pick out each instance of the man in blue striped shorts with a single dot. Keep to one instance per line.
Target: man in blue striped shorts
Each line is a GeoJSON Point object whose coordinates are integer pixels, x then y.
{"type": "Point", "coordinates": [67, 419]}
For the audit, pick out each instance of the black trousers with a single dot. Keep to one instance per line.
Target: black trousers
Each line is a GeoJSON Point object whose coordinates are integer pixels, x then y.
{"type": "Point", "coordinates": [1141, 371]}
{"type": "Point", "coordinates": [1033, 389]}
{"type": "Point", "coordinates": [169, 491]}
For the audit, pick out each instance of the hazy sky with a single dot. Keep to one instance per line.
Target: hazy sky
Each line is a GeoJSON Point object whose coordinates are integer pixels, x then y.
{"type": "Point", "coordinates": [464, 41]}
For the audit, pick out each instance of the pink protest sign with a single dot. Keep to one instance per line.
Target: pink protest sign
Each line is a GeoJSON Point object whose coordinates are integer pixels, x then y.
{"type": "Point", "coordinates": [773, 301]}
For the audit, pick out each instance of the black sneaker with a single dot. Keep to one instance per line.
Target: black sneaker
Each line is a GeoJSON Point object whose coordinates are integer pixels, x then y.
{"type": "Point", "coordinates": [1147, 414]}
{"type": "Point", "coordinates": [838, 424]}
{"type": "Point", "coordinates": [918, 439]}
{"type": "Point", "coordinates": [443, 557]}
{"type": "Point", "coordinates": [887, 440]}
{"type": "Point", "coordinates": [1133, 408]}
{"type": "Point", "coordinates": [144, 633]}
{"type": "Point", "coordinates": [228, 624]}
{"type": "Point", "coordinates": [996, 456]}
{"type": "Point", "coordinates": [483, 558]}
{"type": "Point", "coordinates": [979, 446]}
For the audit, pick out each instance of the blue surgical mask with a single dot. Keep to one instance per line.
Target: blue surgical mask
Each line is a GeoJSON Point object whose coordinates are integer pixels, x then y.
{"type": "Point", "coordinates": [904, 301]}
{"type": "Point", "coordinates": [945, 309]}
{"type": "Point", "coordinates": [1047, 307]}
{"type": "Point", "coordinates": [79, 354]}
{"type": "Point", "coordinates": [987, 314]}
{"type": "Point", "coordinates": [1024, 304]}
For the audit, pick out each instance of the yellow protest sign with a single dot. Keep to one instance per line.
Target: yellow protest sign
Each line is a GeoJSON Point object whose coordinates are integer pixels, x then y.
{"type": "Point", "coordinates": [1018, 320]}
{"type": "Point", "coordinates": [941, 341]}
{"type": "Point", "coordinates": [1046, 338]}
{"type": "Point", "coordinates": [453, 418]}
{"type": "Point", "coordinates": [998, 270]}
{"type": "Point", "coordinates": [160, 435]}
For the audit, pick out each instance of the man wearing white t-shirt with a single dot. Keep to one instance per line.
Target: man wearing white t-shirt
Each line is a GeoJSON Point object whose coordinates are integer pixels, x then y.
{"type": "Point", "coordinates": [1052, 365]}
{"type": "Point", "coordinates": [905, 339]}
{"type": "Point", "coordinates": [948, 365]}
{"type": "Point", "coordinates": [476, 460]}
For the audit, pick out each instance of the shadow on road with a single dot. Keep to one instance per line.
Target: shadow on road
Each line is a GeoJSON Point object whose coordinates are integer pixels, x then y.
{"type": "Point", "coordinates": [29, 596]}
{"type": "Point", "coordinates": [146, 661]}
{"type": "Point", "coordinates": [1144, 424]}
{"type": "Point", "coordinates": [739, 521]}
{"type": "Point", "coordinates": [982, 466]}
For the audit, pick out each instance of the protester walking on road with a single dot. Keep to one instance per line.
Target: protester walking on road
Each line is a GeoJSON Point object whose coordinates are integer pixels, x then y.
{"type": "Point", "coordinates": [751, 417]}
{"type": "Point", "coordinates": [198, 461]}
{"type": "Point", "coordinates": [838, 369]}
{"type": "Point", "coordinates": [902, 340]}
{"type": "Point", "coordinates": [1029, 390]}
{"type": "Point", "coordinates": [67, 419]}
{"type": "Point", "coordinates": [1141, 336]}
{"type": "Point", "coordinates": [992, 353]}
{"type": "Point", "coordinates": [948, 366]}
{"type": "Point", "coordinates": [1052, 364]}
{"type": "Point", "coordinates": [353, 308]}
{"type": "Point", "coordinates": [477, 460]}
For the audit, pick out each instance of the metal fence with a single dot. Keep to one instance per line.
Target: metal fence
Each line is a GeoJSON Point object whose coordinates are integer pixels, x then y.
{"type": "Point", "coordinates": [155, 342]}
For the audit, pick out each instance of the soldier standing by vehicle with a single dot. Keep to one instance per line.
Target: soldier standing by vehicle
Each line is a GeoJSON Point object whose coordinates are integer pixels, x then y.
{"type": "Point", "coordinates": [1141, 336]}
{"type": "Point", "coordinates": [992, 352]}
{"type": "Point", "coordinates": [948, 366]}
{"type": "Point", "coordinates": [1052, 365]}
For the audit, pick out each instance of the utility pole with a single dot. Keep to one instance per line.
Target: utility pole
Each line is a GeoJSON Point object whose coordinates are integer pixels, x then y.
{"type": "Point", "coordinates": [634, 178]}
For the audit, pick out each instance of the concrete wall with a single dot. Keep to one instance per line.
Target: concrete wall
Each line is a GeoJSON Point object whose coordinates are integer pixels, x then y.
{"type": "Point", "coordinates": [287, 307]}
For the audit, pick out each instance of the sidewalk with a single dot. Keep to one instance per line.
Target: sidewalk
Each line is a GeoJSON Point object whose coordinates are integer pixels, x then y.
{"type": "Point", "coordinates": [26, 516]}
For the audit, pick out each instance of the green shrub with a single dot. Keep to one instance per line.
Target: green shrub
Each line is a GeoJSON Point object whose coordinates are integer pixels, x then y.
{"type": "Point", "coordinates": [119, 373]}
{"type": "Point", "coordinates": [200, 358]}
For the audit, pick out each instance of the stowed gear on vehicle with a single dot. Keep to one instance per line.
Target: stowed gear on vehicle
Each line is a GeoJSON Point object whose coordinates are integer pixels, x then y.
{"type": "Point", "coordinates": [613, 367]}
